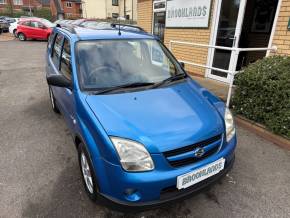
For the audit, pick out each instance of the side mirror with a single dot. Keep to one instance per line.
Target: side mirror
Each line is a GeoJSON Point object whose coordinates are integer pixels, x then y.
{"type": "Point", "coordinates": [182, 64]}
{"type": "Point", "coordinates": [59, 80]}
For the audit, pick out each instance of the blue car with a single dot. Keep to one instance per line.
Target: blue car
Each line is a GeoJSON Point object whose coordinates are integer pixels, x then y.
{"type": "Point", "coordinates": [146, 133]}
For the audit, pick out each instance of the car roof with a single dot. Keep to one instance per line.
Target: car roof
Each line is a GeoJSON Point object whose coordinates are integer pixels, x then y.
{"type": "Point", "coordinates": [93, 34]}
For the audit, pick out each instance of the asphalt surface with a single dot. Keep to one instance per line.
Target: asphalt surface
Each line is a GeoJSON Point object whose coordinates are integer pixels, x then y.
{"type": "Point", "coordinates": [39, 173]}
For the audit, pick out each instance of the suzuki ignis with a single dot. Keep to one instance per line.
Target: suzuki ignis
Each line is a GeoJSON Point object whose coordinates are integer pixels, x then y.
{"type": "Point", "coordinates": [146, 133]}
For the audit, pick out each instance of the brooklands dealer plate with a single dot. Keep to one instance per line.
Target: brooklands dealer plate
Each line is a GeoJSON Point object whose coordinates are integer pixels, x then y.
{"type": "Point", "coordinates": [200, 174]}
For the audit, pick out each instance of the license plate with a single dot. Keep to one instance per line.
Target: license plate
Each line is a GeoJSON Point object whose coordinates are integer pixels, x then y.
{"type": "Point", "coordinates": [200, 174]}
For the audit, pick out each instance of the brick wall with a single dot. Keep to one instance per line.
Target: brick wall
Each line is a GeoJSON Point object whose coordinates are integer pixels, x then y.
{"type": "Point", "coordinates": [144, 14]}
{"type": "Point", "coordinates": [187, 53]}
{"type": "Point", "coordinates": [73, 11]}
{"type": "Point", "coordinates": [282, 34]}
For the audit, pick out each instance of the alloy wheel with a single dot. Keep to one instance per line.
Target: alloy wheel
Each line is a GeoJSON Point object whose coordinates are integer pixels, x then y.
{"type": "Point", "coordinates": [86, 171]}
{"type": "Point", "coordinates": [21, 37]}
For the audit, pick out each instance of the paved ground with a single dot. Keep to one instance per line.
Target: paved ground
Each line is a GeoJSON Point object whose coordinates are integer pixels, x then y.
{"type": "Point", "coordinates": [6, 37]}
{"type": "Point", "coordinates": [39, 174]}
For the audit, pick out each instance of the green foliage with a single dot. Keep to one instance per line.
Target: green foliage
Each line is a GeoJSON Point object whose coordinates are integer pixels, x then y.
{"type": "Point", "coordinates": [43, 13]}
{"type": "Point", "coordinates": [263, 93]}
{"type": "Point", "coordinates": [15, 14]}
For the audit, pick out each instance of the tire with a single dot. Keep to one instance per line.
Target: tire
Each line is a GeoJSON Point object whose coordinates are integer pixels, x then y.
{"type": "Point", "coordinates": [52, 101]}
{"type": "Point", "coordinates": [14, 33]}
{"type": "Point", "coordinates": [21, 37]}
{"type": "Point", "coordinates": [89, 180]}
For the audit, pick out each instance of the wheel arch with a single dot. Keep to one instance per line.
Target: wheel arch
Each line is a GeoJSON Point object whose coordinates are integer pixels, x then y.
{"type": "Point", "coordinates": [78, 140]}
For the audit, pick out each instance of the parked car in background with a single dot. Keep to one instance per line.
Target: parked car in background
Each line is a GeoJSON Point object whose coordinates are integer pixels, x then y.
{"type": "Point", "coordinates": [4, 25]}
{"type": "Point", "coordinates": [8, 19]}
{"type": "Point", "coordinates": [34, 29]}
{"type": "Point", "coordinates": [13, 27]}
{"type": "Point", "coordinates": [96, 25]}
{"type": "Point", "coordinates": [63, 22]}
{"type": "Point", "coordinates": [80, 22]}
{"type": "Point", "coordinates": [146, 133]}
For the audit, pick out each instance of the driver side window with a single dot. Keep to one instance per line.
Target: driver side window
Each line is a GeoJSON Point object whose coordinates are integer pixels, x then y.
{"type": "Point", "coordinates": [56, 51]}
{"type": "Point", "coordinates": [41, 26]}
{"type": "Point", "coordinates": [34, 24]}
{"type": "Point", "coordinates": [65, 62]}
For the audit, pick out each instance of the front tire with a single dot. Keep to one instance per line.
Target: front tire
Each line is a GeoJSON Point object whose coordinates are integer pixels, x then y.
{"type": "Point", "coordinates": [21, 37]}
{"type": "Point", "coordinates": [87, 172]}
{"type": "Point", "coordinates": [52, 101]}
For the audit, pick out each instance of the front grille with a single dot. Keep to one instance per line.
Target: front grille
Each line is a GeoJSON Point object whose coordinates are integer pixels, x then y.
{"type": "Point", "coordinates": [172, 191]}
{"type": "Point", "coordinates": [211, 146]}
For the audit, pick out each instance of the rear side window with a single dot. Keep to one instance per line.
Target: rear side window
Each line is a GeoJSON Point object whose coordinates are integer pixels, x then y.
{"type": "Point", "coordinates": [57, 50]}
{"type": "Point", "coordinates": [34, 24]}
{"type": "Point", "coordinates": [26, 23]}
{"type": "Point", "coordinates": [65, 64]}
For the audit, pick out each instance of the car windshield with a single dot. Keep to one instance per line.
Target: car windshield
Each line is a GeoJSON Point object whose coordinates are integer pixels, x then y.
{"type": "Point", "coordinates": [111, 63]}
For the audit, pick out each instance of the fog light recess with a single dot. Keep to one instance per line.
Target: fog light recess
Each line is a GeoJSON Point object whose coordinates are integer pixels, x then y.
{"type": "Point", "coordinates": [132, 195]}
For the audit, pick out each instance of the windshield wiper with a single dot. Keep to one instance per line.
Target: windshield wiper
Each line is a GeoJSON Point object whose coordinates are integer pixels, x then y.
{"type": "Point", "coordinates": [170, 79]}
{"type": "Point", "coordinates": [130, 85]}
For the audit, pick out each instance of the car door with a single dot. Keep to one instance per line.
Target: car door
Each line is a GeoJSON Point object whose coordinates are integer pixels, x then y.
{"type": "Point", "coordinates": [60, 63]}
{"type": "Point", "coordinates": [25, 28]}
{"type": "Point", "coordinates": [43, 30]}
{"type": "Point", "coordinates": [36, 31]}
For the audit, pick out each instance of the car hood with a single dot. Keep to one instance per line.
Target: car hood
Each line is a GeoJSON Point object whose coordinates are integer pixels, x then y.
{"type": "Point", "coordinates": [162, 119]}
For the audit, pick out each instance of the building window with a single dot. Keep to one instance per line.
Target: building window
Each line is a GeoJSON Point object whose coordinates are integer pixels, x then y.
{"type": "Point", "coordinates": [68, 4]}
{"type": "Point", "coordinates": [115, 15]}
{"type": "Point", "coordinates": [17, 2]}
{"type": "Point", "coordinates": [2, 2]}
{"type": "Point", "coordinates": [68, 14]}
{"type": "Point", "coordinates": [115, 2]}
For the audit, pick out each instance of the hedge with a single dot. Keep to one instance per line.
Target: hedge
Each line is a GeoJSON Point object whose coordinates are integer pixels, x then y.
{"type": "Point", "coordinates": [42, 12]}
{"type": "Point", "coordinates": [262, 93]}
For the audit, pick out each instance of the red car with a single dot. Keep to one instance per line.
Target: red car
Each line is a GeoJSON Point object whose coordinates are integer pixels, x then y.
{"type": "Point", "coordinates": [34, 29]}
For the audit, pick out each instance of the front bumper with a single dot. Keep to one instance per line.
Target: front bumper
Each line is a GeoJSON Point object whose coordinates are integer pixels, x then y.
{"type": "Point", "coordinates": [154, 188]}
{"type": "Point", "coordinates": [171, 196]}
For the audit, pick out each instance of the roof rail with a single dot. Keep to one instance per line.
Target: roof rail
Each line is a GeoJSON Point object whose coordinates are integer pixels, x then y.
{"type": "Point", "coordinates": [67, 27]}
{"type": "Point", "coordinates": [130, 27]}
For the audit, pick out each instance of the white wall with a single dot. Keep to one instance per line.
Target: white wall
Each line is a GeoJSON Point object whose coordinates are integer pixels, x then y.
{"type": "Point", "coordinates": [104, 8]}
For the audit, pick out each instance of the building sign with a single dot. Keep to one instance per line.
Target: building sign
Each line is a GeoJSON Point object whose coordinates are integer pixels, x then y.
{"type": "Point", "coordinates": [188, 13]}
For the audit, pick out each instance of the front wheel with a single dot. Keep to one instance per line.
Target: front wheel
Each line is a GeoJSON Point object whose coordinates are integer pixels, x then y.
{"type": "Point", "coordinates": [88, 176]}
{"type": "Point", "coordinates": [21, 37]}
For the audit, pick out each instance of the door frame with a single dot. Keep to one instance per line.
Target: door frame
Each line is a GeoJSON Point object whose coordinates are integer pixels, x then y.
{"type": "Point", "coordinates": [214, 30]}
{"type": "Point", "coordinates": [274, 26]}
{"type": "Point", "coordinates": [157, 10]}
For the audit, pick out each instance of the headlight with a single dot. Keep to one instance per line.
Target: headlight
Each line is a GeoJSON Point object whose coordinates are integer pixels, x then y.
{"type": "Point", "coordinates": [133, 155]}
{"type": "Point", "coordinates": [230, 126]}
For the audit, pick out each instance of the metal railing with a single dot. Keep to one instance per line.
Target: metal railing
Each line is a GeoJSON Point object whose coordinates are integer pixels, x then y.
{"type": "Point", "coordinates": [232, 66]}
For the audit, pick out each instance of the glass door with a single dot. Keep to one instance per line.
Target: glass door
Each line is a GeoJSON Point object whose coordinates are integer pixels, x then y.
{"type": "Point", "coordinates": [227, 33]}
{"type": "Point", "coordinates": [159, 16]}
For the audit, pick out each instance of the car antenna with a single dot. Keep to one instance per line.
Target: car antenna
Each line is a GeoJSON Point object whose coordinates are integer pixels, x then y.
{"type": "Point", "coordinates": [119, 33]}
